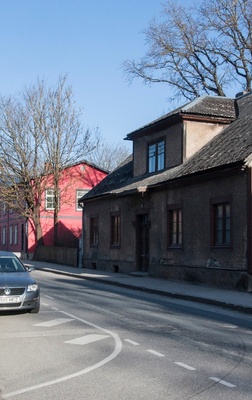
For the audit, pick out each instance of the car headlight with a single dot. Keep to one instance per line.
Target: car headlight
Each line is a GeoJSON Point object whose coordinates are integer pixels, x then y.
{"type": "Point", "coordinates": [32, 288]}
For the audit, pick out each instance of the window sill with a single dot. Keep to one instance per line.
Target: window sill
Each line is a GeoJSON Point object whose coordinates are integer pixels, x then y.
{"type": "Point", "coordinates": [221, 246]}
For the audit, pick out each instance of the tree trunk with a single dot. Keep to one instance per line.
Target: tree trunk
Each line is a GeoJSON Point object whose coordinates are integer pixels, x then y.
{"type": "Point", "coordinates": [38, 228]}
{"type": "Point", "coordinates": [56, 231]}
{"type": "Point", "coordinates": [39, 235]}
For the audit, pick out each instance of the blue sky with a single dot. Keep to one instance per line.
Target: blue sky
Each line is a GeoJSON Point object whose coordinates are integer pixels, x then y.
{"type": "Point", "coordinates": [88, 40]}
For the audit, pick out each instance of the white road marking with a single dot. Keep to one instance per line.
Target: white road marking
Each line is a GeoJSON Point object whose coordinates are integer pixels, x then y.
{"type": "Point", "coordinates": [156, 353]}
{"type": "Point", "coordinates": [54, 322]}
{"type": "Point", "coordinates": [49, 297]}
{"type": "Point", "coordinates": [87, 339]}
{"type": "Point", "coordinates": [117, 350]}
{"type": "Point", "coordinates": [213, 378]}
{"type": "Point", "coordinates": [185, 366]}
{"type": "Point", "coordinates": [43, 333]}
{"type": "Point", "coordinates": [131, 342]}
{"type": "Point", "coordinates": [229, 326]}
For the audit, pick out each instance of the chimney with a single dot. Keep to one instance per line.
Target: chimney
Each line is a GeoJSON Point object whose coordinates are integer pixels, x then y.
{"type": "Point", "coordinates": [240, 94]}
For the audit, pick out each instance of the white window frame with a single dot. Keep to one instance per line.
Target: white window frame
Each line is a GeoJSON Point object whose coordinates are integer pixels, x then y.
{"type": "Point", "coordinates": [79, 194]}
{"type": "Point", "coordinates": [4, 235]}
{"type": "Point", "coordinates": [11, 234]}
{"type": "Point", "coordinates": [16, 234]}
{"type": "Point", "coordinates": [49, 198]}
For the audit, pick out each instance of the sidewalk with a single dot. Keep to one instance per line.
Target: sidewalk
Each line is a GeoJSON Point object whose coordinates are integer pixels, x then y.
{"type": "Point", "coordinates": [234, 300]}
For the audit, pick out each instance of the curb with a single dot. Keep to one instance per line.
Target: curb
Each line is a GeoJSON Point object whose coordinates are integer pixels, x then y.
{"type": "Point", "coordinates": [218, 303]}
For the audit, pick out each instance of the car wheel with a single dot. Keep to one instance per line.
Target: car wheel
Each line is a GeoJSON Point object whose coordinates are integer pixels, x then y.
{"type": "Point", "coordinates": [34, 310]}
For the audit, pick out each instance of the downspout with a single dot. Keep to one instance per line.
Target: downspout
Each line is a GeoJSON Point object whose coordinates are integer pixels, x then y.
{"type": "Point", "coordinates": [8, 229]}
{"type": "Point", "coordinates": [26, 238]}
{"type": "Point", "coordinates": [249, 225]}
{"type": "Point", "coordinates": [81, 244]}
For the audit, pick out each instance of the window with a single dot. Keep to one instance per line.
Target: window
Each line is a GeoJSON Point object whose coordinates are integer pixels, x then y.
{"type": "Point", "coordinates": [115, 229]}
{"type": "Point", "coordinates": [16, 234]}
{"type": "Point", "coordinates": [79, 195]}
{"type": "Point", "coordinates": [222, 224]}
{"type": "Point", "coordinates": [4, 235]}
{"type": "Point", "coordinates": [94, 231]}
{"type": "Point", "coordinates": [156, 156]}
{"type": "Point", "coordinates": [50, 199]}
{"type": "Point", "coordinates": [11, 234]}
{"type": "Point", "coordinates": [13, 208]}
{"type": "Point", "coordinates": [175, 227]}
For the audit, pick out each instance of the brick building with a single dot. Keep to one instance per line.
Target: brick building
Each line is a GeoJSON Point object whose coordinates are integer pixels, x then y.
{"type": "Point", "coordinates": [181, 206]}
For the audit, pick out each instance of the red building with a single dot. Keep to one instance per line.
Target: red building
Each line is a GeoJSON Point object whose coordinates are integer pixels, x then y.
{"type": "Point", "coordinates": [17, 233]}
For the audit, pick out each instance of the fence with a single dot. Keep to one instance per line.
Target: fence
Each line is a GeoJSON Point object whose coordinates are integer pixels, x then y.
{"type": "Point", "coordinates": [58, 255]}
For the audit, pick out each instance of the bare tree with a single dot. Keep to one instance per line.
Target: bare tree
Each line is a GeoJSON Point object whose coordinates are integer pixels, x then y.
{"type": "Point", "coordinates": [205, 49]}
{"type": "Point", "coordinates": [40, 135]}
{"type": "Point", "coordinates": [20, 162]}
{"type": "Point", "coordinates": [231, 22]}
{"type": "Point", "coordinates": [108, 156]}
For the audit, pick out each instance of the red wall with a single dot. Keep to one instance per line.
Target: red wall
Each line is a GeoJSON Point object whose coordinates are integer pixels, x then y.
{"type": "Point", "coordinates": [82, 177]}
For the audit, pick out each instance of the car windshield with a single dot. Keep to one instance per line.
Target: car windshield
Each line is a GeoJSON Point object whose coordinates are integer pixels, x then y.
{"type": "Point", "coordinates": [11, 264]}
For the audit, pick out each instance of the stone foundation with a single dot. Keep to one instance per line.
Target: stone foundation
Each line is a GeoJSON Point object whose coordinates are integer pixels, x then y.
{"type": "Point", "coordinates": [226, 279]}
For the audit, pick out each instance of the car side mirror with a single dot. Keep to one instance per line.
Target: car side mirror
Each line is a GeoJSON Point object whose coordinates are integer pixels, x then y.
{"type": "Point", "coordinates": [29, 268]}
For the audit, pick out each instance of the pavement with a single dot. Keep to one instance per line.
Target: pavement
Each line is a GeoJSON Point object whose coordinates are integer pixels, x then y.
{"type": "Point", "coordinates": [230, 299]}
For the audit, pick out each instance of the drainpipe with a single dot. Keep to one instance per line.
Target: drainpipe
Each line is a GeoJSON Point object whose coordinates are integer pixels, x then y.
{"type": "Point", "coordinates": [249, 224]}
{"type": "Point", "coordinates": [81, 241]}
{"type": "Point", "coordinates": [8, 229]}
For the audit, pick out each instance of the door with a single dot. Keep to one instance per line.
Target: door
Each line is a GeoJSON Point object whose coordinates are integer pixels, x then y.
{"type": "Point", "coordinates": [142, 242]}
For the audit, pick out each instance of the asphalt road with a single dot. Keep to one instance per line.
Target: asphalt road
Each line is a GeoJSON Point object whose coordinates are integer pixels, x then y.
{"type": "Point", "coordinates": [96, 341]}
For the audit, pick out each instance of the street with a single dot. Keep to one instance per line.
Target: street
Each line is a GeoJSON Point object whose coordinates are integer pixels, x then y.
{"type": "Point", "coordinates": [96, 341]}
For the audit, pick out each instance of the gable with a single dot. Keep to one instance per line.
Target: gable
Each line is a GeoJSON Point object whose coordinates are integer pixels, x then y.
{"type": "Point", "coordinates": [183, 131]}
{"type": "Point", "coordinates": [229, 147]}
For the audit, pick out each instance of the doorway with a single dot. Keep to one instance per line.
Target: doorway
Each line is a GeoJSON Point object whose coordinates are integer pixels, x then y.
{"type": "Point", "coordinates": [142, 242]}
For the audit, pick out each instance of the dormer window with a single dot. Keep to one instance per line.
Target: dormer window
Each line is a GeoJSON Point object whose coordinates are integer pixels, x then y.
{"type": "Point", "coordinates": [156, 156]}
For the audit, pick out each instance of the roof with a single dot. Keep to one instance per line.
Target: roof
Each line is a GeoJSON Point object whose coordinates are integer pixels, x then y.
{"type": "Point", "coordinates": [206, 106]}
{"type": "Point", "coordinates": [211, 106]}
{"type": "Point", "coordinates": [231, 147]}
{"type": "Point", "coordinates": [88, 163]}
{"type": "Point", "coordinates": [117, 179]}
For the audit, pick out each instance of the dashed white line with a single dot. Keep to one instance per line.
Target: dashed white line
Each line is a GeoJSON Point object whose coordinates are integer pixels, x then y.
{"type": "Point", "coordinates": [228, 326]}
{"type": "Point", "coordinates": [54, 322]}
{"type": "Point", "coordinates": [185, 366]}
{"type": "Point", "coordinates": [131, 342]}
{"type": "Point", "coordinates": [87, 339]}
{"type": "Point", "coordinates": [156, 353]}
{"type": "Point", "coordinates": [218, 380]}
{"type": "Point", "coordinates": [49, 297]}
